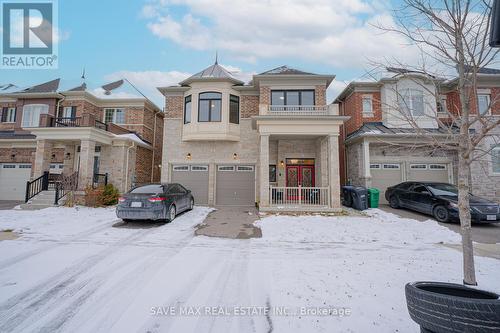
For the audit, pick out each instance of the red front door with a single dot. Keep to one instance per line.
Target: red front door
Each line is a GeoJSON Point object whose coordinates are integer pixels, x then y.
{"type": "Point", "coordinates": [300, 175]}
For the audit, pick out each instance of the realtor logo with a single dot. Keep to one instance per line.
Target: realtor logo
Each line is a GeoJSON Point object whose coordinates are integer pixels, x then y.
{"type": "Point", "coordinates": [28, 34]}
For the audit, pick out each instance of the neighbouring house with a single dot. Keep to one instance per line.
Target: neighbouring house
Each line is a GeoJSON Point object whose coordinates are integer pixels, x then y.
{"type": "Point", "coordinates": [111, 133]}
{"type": "Point", "coordinates": [273, 141]}
{"type": "Point", "coordinates": [381, 147]}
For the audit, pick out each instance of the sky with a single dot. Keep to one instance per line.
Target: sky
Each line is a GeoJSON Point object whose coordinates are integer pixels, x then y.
{"type": "Point", "coordinates": [156, 43]}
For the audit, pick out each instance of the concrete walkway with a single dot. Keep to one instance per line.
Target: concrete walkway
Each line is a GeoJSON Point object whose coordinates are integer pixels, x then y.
{"type": "Point", "coordinates": [9, 204]}
{"type": "Point", "coordinates": [231, 222]}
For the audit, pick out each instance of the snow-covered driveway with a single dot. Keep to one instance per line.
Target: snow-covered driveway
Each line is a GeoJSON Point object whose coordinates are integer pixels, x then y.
{"type": "Point", "coordinates": [80, 270]}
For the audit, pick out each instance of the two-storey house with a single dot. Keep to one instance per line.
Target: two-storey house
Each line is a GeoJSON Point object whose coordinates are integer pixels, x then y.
{"type": "Point", "coordinates": [273, 141]}
{"type": "Point", "coordinates": [111, 133]}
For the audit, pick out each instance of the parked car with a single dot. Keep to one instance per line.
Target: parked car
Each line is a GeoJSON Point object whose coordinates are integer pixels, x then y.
{"type": "Point", "coordinates": [154, 202]}
{"type": "Point", "coordinates": [441, 201]}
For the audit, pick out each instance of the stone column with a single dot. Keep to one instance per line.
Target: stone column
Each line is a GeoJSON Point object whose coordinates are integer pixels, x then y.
{"type": "Point", "coordinates": [86, 173]}
{"type": "Point", "coordinates": [69, 159]}
{"type": "Point", "coordinates": [366, 163]}
{"type": "Point", "coordinates": [212, 170]}
{"type": "Point", "coordinates": [264, 171]}
{"type": "Point", "coordinates": [43, 156]}
{"type": "Point", "coordinates": [333, 167]}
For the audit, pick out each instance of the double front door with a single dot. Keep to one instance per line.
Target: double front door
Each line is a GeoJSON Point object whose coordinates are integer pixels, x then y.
{"type": "Point", "coordinates": [300, 175]}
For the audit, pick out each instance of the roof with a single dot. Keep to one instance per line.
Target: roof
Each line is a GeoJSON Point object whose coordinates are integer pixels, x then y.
{"type": "Point", "coordinates": [406, 71]}
{"type": "Point", "coordinates": [13, 135]}
{"type": "Point", "coordinates": [47, 87]}
{"type": "Point", "coordinates": [285, 70]}
{"type": "Point", "coordinates": [215, 71]}
{"type": "Point", "coordinates": [378, 128]}
{"type": "Point", "coordinates": [483, 70]}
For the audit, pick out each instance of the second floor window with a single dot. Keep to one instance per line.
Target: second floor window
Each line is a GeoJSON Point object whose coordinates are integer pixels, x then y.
{"type": "Point", "coordinates": [116, 116]}
{"type": "Point", "coordinates": [483, 103]}
{"type": "Point", "coordinates": [367, 104]}
{"type": "Point", "coordinates": [412, 102]}
{"type": "Point", "coordinates": [292, 98]}
{"type": "Point", "coordinates": [234, 109]}
{"type": "Point", "coordinates": [8, 115]}
{"type": "Point", "coordinates": [187, 109]}
{"type": "Point", "coordinates": [31, 114]}
{"type": "Point", "coordinates": [209, 107]}
{"type": "Point", "coordinates": [441, 105]}
{"type": "Point", "coordinates": [68, 112]}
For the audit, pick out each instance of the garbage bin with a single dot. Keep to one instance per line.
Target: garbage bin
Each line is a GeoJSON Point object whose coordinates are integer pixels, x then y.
{"type": "Point", "coordinates": [346, 195]}
{"type": "Point", "coordinates": [373, 197]}
{"type": "Point", "coordinates": [359, 198]}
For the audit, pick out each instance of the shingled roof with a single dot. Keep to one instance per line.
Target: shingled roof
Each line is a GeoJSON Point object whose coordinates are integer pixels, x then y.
{"type": "Point", "coordinates": [47, 87]}
{"type": "Point", "coordinates": [215, 71]}
{"type": "Point", "coordinates": [285, 70]}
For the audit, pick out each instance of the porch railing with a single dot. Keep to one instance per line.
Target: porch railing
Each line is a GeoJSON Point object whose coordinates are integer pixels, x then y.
{"type": "Point", "coordinates": [299, 110]}
{"type": "Point", "coordinates": [299, 196]}
{"type": "Point", "coordinates": [64, 185]}
{"type": "Point", "coordinates": [36, 186]}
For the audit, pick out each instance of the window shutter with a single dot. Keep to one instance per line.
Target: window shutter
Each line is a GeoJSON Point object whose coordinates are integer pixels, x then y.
{"type": "Point", "coordinates": [4, 114]}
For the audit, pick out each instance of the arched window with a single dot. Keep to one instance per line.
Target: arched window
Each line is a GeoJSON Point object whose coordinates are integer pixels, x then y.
{"type": "Point", "coordinates": [209, 107]}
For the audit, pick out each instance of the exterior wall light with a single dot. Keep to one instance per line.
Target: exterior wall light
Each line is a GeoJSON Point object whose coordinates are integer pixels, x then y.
{"type": "Point", "coordinates": [13, 156]}
{"type": "Point", "coordinates": [53, 156]}
{"type": "Point", "coordinates": [282, 164]}
{"type": "Point", "coordinates": [235, 156]}
{"type": "Point", "coordinates": [188, 156]}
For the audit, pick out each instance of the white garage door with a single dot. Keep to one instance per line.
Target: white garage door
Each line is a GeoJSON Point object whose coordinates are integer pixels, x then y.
{"type": "Point", "coordinates": [385, 175]}
{"type": "Point", "coordinates": [235, 185]}
{"type": "Point", "coordinates": [195, 179]}
{"type": "Point", "coordinates": [13, 178]}
{"type": "Point", "coordinates": [429, 172]}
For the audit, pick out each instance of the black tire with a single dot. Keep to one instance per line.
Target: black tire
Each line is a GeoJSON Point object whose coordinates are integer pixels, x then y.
{"type": "Point", "coordinates": [126, 220]}
{"type": "Point", "coordinates": [172, 213]}
{"type": "Point", "coordinates": [191, 204]}
{"type": "Point", "coordinates": [441, 214]}
{"type": "Point", "coordinates": [394, 202]}
{"type": "Point", "coordinates": [447, 307]}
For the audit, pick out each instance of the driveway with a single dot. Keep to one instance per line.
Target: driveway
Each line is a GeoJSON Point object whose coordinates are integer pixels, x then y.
{"type": "Point", "coordinates": [234, 222]}
{"type": "Point", "coordinates": [9, 204]}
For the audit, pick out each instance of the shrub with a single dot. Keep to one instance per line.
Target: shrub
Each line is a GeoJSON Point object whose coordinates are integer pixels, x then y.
{"type": "Point", "coordinates": [101, 196]}
{"type": "Point", "coordinates": [109, 195]}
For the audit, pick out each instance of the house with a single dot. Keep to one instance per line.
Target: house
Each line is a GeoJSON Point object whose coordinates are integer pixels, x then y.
{"type": "Point", "coordinates": [273, 141]}
{"type": "Point", "coordinates": [111, 133]}
{"type": "Point", "coordinates": [383, 146]}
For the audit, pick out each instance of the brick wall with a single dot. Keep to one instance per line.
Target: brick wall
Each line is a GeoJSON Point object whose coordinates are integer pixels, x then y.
{"type": "Point", "coordinates": [22, 155]}
{"type": "Point", "coordinates": [265, 95]}
{"type": "Point", "coordinates": [143, 166]}
{"type": "Point", "coordinates": [453, 101]}
{"type": "Point", "coordinates": [353, 107]}
{"type": "Point", "coordinates": [249, 106]}
{"type": "Point", "coordinates": [320, 95]}
{"type": "Point", "coordinates": [174, 105]}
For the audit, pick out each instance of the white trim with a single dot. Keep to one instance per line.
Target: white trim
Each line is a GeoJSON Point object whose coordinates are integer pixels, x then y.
{"type": "Point", "coordinates": [114, 116]}
{"type": "Point", "coordinates": [225, 168]}
{"type": "Point", "coordinates": [245, 168]}
{"type": "Point", "coordinates": [34, 119]}
{"type": "Point", "coordinates": [418, 166]}
{"type": "Point", "coordinates": [494, 149]}
{"type": "Point", "coordinates": [439, 166]}
{"type": "Point", "coordinates": [375, 166]}
{"type": "Point", "coordinates": [180, 168]}
{"type": "Point", "coordinates": [391, 166]}
{"type": "Point", "coordinates": [199, 168]}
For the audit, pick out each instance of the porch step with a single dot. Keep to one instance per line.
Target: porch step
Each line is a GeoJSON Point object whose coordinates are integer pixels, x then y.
{"type": "Point", "coordinates": [42, 200]}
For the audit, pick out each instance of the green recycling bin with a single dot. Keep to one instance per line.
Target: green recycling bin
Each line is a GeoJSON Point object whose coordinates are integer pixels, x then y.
{"type": "Point", "coordinates": [373, 196]}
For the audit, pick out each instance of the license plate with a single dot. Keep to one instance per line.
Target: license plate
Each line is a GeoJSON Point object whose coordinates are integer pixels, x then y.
{"type": "Point", "coordinates": [136, 204]}
{"type": "Point", "coordinates": [491, 217]}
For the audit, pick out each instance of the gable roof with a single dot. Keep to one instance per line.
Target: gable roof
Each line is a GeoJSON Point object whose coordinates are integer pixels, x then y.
{"type": "Point", "coordinates": [285, 70]}
{"type": "Point", "coordinates": [214, 72]}
{"type": "Point", "coordinates": [47, 87]}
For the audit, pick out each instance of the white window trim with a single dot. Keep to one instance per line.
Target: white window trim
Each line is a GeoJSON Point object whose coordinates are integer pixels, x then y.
{"type": "Point", "coordinates": [417, 166]}
{"type": "Point", "coordinates": [410, 93]}
{"type": "Point", "coordinates": [444, 105]}
{"type": "Point", "coordinates": [36, 123]}
{"type": "Point", "coordinates": [11, 113]}
{"type": "Point", "coordinates": [245, 168]}
{"type": "Point", "coordinates": [488, 112]}
{"type": "Point", "coordinates": [114, 116]}
{"type": "Point", "coordinates": [375, 166]}
{"type": "Point", "coordinates": [441, 166]}
{"type": "Point", "coordinates": [397, 166]}
{"type": "Point", "coordinates": [370, 98]}
{"type": "Point", "coordinates": [181, 168]}
{"type": "Point", "coordinates": [66, 108]}
{"type": "Point", "coordinates": [199, 168]}
{"type": "Point", "coordinates": [225, 168]}
{"type": "Point", "coordinates": [492, 166]}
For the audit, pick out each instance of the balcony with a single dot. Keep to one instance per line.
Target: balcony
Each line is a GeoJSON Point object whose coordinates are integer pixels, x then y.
{"type": "Point", "coordinates": [86, 120]}
{"type": "Point", "coordinates": [299, 110]}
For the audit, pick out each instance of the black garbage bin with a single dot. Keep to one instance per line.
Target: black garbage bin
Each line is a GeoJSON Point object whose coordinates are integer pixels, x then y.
{"type": "Point", "coordinates": [347, 195]}
{"type": "Point", "coordinates": [359, 198]}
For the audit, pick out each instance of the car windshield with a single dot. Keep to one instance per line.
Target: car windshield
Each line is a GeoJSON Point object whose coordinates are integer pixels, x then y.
{"type": "Point", "coordinates": [443, 189]}
{"type": "Point", "coordinates": [153, 189]}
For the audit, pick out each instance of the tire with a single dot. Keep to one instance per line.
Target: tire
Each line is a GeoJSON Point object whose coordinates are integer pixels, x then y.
{"type": "Point", "coordinates": [447, 307]}
{"type": "Point", "coordinates": [191, 204]}
{"type": "Point", "coordinates": [172, 212]}
{"type": "Point", "coordinates": [126, 220]}
{"type": "Point", "coordinates": [441, 214]}
{"type": "Point", "coordinates": [394, 202]}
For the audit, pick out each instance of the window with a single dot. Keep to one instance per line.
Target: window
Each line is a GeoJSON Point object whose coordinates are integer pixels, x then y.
{"type": "Point", "coordinates": [181, 167]}
{"type": "Point", "coordinates": [483, 103]}
{"type": "Point", "coordinates": [148, 189]}
{"type": "Point", "coordinates": [234, 109]}
{"type": "Point", "coordinates": [187, 109]}
{"type": "Point", "coordinates": [68, 112]}
{"type": "Point", "coordinates": [418, 166]}
{"type": "Point", "coordinates": [437, 166]}
{"type": "Point", "coordinates": [176, 189]}
{"type": "Point", "coordinates": [292, 97]}
{"type": "Point", "coordinates": [199, 168]}
{"type": "Point", "coordinates": [8, 115]}
{"type": "Point", "coordinates": [25, 166]}
{"type": "Point", "coordinates": [420, 189]}
{"type": "Point", "coordinates": [209, 107]}
{"type": "Point", "coordinates": [245, 168]}
{"type": "Point", "coordinates": [116, 116]}
{"type": "Point", "coordinates": [9, 166]}
{"type": "Point", "coordinates": [31, 114]}
{"type": "Point", "coordinates": [495, 159]}
{"type": "Point", "coordinates": [367, 104]}
{"type": "Point", "coordinates": [391, 166]}
{"type": "Point", "coordinates": [272, 173]}
{"type": "Point", "coordinates": [374, 166]}
{"type": "Point", "coordinates": [412, 102]}
{"type": "Point", "coordinates": [225, 168]}
{"type": "Point", "coordinates": [442, 107]}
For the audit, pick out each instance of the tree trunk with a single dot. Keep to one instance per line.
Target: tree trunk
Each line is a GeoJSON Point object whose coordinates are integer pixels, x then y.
{"type": "Point", "coordinates": [465, 221]}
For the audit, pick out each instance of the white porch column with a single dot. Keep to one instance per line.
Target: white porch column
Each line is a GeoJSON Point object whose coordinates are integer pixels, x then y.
{"type": "Point", "coordinates": [69, 159]}
{"type": "Point", "coordinates": [333, 168]}
{"type": "Point", "coordinates": [366, 163]}
{"type": "Point", "coordinates": [86, 172]}
{"type": "Point", "coordinates": [43, 157]}
{"type": "Point", "coordinates": [264, 170]}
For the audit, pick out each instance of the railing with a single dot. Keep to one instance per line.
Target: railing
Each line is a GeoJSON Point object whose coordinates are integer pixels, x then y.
{"type": "Point", "coordinates": [36, 186]}
{"type": "Point", "coordinates": [100, 125]}
{"type": "Point", "coordinates": [65, 185]}
{"type": "Point", "coordinates": [299, 196]}
{"type": "Point", "coordinates": [86, 120]}
{"type": "Point", "coordinates": [100, 179]}
{"type": "Point", "coordinates": [67, 122]}
{"type": "Point", "coordinates": [298, 110]}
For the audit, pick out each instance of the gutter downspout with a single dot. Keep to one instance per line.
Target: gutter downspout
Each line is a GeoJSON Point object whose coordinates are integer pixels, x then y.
{"type": "Point", "coordinates": [154, 141]}
{"type": "Point", "coordinates": [58, 105]}
{"type": "Point", "coordinates": [126, 168]}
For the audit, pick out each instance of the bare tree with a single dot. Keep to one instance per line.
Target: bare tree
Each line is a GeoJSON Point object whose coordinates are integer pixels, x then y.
{"type": "Point", "coordinates": [451, 36]}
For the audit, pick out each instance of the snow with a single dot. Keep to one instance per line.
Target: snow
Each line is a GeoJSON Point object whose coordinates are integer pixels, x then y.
{"type": "Point", "coordinates": [82, 270]}
{"type": "Point", "coordinates": [134, 138]}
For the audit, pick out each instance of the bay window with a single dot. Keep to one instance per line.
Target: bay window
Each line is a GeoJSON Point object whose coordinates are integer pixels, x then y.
{"type": "Point", "coordinates": [412, 102]}
{"type": "Point", "coordinates": [209, 107]}
{"type": "Point", "coordinates": [31, 114]}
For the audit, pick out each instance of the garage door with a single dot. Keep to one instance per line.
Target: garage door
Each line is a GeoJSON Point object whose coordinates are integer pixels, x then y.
{"type": "Point", "coordinates": [385, 175]}
{"type": "Point", "coordinates": [194, 178]}
{"type": "Point", "coordinates": [428, 172]}
{"type": "Point", "coordinates": [235, 185]}
{"type": "Point", "coordinates": [13, 178]}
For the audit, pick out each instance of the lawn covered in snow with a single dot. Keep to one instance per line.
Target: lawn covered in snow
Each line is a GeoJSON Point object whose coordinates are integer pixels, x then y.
{"type": "Point", "coordinates": [82, 270]}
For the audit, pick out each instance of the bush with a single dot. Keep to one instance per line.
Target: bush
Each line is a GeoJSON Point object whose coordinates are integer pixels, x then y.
{"type": "Point", "coordinates": [104, 195]}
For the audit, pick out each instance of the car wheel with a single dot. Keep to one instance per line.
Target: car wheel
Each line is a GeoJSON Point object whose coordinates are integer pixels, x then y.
{"type": "Point", "coordinates": [441, 214]}
{"type": "Point", "coordinates": [171, 213]}
{"type": "Point", "coordinates": [394, 202]}
{"type": "Point", "coordinates": [191, 204]}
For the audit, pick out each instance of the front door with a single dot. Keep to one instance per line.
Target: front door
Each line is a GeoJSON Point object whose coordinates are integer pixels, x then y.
{"type": "Point", "coordinates": [300, 175]}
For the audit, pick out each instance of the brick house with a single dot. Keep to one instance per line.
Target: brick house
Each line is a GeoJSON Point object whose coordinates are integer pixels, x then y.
{"type": "Point", "coordinates": [273, 141]}
{"type": "Point", "coordinates": [112, 130]}
{"type": "Point", "coordinates": [382, 148]}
